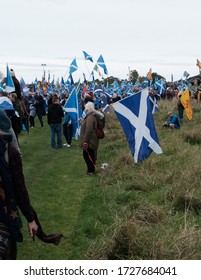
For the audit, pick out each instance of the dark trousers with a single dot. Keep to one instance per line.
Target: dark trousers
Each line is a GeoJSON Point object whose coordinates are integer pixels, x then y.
{"type": "Point", "coordinates": [32, 121]}
{"type": "Point", "coordinates": [40, 118]}
{"type": "Point", "coordinates": [89, 157]}
{"type": "Point", "coordinates": [68, 132]}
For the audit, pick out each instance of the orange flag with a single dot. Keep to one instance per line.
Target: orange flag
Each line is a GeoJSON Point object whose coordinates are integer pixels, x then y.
{"type": "Point", "coordinates": [185, 100]}
{"type": "Point", "coordinates": [149, 75]}
{"type": "Point", "coordinates": [198, 63]}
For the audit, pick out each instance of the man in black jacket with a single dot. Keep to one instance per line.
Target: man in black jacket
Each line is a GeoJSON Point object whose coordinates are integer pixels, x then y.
{"type": "Point", "coordinates": [54, 118]}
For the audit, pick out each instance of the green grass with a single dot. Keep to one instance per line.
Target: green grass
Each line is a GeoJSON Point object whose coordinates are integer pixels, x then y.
{"type": "Point", "coordinates": [149, 210]}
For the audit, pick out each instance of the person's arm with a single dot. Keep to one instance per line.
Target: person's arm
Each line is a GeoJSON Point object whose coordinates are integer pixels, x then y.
{"type": "Point", "coordinates": [21, 193]}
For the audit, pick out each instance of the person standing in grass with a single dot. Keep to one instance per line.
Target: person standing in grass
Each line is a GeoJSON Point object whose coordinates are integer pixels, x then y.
{"type": "Point", "coordinates": [67, 130]}
{"type": "Point", "coordinates": [88, 138]}
{"type": "Point", "coordinates": [54, 118]}
{"type": "Point", "coordinates": [40, 108]}
{"type": "Point", "coordinates": [13, 194]}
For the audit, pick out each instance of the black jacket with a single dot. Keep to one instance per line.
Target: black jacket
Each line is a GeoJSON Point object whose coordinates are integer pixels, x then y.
{"type": "Point", "coordinates": [55, 114]}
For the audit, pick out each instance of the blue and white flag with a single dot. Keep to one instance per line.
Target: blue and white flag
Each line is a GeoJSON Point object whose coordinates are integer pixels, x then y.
{"type": "Point", "coordinates": [5, 103]}
{"type": "Point", "coordinates": [105, 108]}
{"type": "Point", "coordinates": [97, 91]}
{"type": "Point", "coordinates": [135, 116]}
{"type": "Point", "coordinates": [160, 85]}
{"type": "Point", "coordinates": [101, 63]}
{"type": "Point", "coordinates": [153, 102]}
{"type": "Point", "coordinates": [73, 66]}
{"type": "Point", "coordinates": [72, 107]}
{"type": "Point", "coordinates": [23, 87]}
{"type": "Point", "coordinates": [9, 81]}
{"type": "Point", "coordinates": [1, 87]}
{"type": "Point", "coordinates": [87, 56]}
{"type": "Point", "coordinates": [70, 79]}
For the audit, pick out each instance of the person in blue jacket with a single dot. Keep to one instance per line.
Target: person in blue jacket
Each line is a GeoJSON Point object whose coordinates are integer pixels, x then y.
{"type": "Point", "coordinates": [173, 122]}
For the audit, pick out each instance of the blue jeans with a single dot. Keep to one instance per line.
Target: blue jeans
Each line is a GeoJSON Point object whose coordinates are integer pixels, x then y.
{"type": "Point", "coordinates": [56, 131]}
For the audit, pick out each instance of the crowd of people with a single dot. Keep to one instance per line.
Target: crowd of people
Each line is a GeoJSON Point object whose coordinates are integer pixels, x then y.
{"type": "Point", "coordinates": [17, 113]}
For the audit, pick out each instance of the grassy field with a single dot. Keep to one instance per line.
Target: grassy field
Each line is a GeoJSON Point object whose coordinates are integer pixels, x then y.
{"type": "Point", "coordinates": [149, 210]}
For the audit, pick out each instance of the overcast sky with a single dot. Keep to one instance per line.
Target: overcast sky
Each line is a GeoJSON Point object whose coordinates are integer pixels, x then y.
{"type": "Point", "coordinates": [140, 34]}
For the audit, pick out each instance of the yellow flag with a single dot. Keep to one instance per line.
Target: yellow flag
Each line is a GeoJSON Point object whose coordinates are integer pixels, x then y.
{"type": "Point", "coordinates": [185, 100]}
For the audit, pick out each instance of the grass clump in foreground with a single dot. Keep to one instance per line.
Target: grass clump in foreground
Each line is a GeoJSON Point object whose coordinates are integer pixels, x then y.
{"type": "Point", "coordinates": [148, 210]}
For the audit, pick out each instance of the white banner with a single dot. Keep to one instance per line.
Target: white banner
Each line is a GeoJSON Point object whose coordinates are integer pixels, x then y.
{"type": "Point", "coordinates": [95, 270]}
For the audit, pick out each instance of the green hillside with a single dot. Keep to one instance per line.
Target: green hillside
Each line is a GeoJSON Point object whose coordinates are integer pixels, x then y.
{"type": "Point", "coordinates": [149, 210]}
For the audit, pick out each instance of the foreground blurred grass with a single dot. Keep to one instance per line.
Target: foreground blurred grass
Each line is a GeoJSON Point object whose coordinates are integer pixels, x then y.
{"type": "Point", "coordinates": [149, 210]}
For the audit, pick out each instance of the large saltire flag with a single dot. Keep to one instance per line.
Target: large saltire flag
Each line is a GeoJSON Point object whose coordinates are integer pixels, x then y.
{"type": "Point", "coordinates": [101, 63]}
{"type": "Point", "coordinates": [72, 107]}
{"type": "Point", "coordinates": [135, 115]}
{"type": "Point", "coordinates": [185, 100]}
{"type": "Point", "coordinates": [73, 66]}
{"type": "Point", "coordinates": [87, 56]}
{"type": "Point", "coordinates": [9, 81]}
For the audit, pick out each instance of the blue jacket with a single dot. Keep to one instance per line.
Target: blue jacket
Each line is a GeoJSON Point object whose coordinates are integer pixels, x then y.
{"type": "Point", "coordinates": [174, 120]}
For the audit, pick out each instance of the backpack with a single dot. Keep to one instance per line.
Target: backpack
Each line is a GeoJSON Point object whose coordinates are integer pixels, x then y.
{"type": "Point", "coordinates": [100, 126]}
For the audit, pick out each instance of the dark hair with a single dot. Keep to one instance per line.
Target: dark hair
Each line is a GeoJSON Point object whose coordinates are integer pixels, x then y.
{"type": "Point", "coordinates": [54, 98]}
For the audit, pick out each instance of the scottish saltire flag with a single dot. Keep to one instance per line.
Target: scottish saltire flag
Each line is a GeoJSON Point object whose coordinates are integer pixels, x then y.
{"type": "Point", "coordinates": [23, 87]}
{"type": "Point", "coordinates": [129, 92]}
{"type": "Point", "coordinates": [1, 87]}
{"type": "Point", "coordinates": [70, 78]}
{"type": "Point", "coordinates": [135, 116]}
{"type": "Point", "coordinates": [97, 91]}
{"type": "Point", "coordinates": [87, 56]}
{"type": "Point", "coordinates": [62, 82]}
{"type": "Point", "coordinates": [160, 85]}
{"type": "Point", "coordinates": [73, 66]}
{"type": "Point", "coordinates": [9, 81]}
{"type": "Point", "coordinates": [72, 106]}
{"type": "Point", "coordinates": [101, 63]}
{"type": "Point", "coordinates": [105, 108]}
{"type": "Point", "coordinates": [5, 103]}
{"type": "Point", "coordinates": [145, 83]}
{"type": "Point", "coordinates": [153, 102]}
{"type": "Point", "coordinates": [186, 74]}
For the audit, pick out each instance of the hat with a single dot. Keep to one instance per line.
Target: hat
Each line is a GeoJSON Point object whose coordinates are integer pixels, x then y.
{"type": "Point", "coordinates": [5, 126]}
{"type": "Point", "coordinates": [12, 72]}
{"type": "Point", "coordinates": [89, 107]}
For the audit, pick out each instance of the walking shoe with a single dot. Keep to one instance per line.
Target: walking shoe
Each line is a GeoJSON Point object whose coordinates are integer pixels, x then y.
{"type": "Point", "coordinates": [67, 145]}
